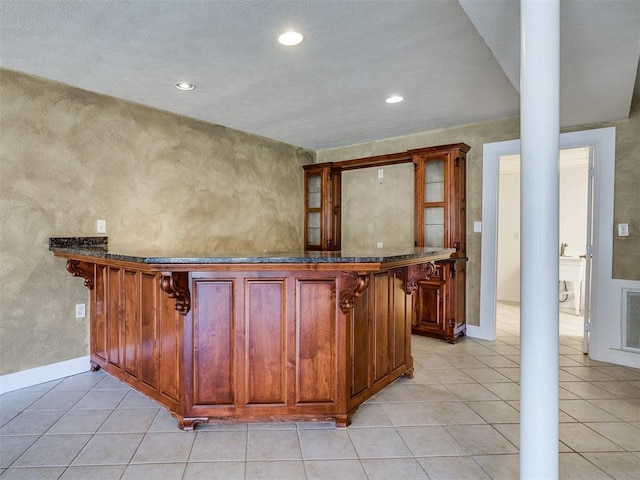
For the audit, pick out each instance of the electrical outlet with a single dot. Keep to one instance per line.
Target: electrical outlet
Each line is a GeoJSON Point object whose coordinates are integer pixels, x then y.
{"type": "Point", "coordinates": [379, 244]}
{"type": "Point", "coordinates": [80, 310]}
{"type": "Point", "coordinates": [381, 173]}
{"type": "Point", "coordinates": [101, 226]}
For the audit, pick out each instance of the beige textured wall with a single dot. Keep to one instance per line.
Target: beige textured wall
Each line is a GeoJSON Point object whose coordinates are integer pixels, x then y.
{"type": "Point", "coordinates": [69, 157]}
{"type": "Point", "coordinates": [626, 261]}
{"type": "Point", "coordinates": [626, 250]}
{"type": "Point", "coordinates": [391, 221]}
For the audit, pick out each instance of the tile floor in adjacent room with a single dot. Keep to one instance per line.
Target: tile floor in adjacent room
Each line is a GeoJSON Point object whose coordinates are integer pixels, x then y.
{"type": "Point", "coordinates": [456, 419]}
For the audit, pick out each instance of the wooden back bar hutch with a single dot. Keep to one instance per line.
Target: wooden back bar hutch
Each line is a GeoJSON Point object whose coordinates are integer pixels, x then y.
{"type": "Point", "coordinates": [440, 222]}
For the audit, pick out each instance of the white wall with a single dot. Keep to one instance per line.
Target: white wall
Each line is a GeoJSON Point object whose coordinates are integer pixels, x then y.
{"type": "Point", "coordinates": [508, 287]}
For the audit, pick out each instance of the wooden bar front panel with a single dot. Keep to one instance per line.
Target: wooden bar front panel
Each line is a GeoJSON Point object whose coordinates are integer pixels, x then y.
{"type": "Point", "coordinates": [254, 345]}
{"type": "Point", "coordinates": [316, 343]}
{"type": "Point", "coordinates": [149, 331]}
{"type": "Point", "coordinates": [401, 312]}
{"type": "Point", "coordinates": [214, 342]}
{"type": "Point", "coordinates": [98, 331]}
{"type": "Point", "coordinates": [136, 334]}
{"type": "Point", "coordinates": [264, 346]}
{"type": "Point", "coordinates": [265, 326]}
{"type": "Point", "coordinates": [169, 349]}
{"type": "Point", "coordinates": [114, 318]}
{"type": "Point", "coordinates": [131, 331]}
{"type": "Point", "coordinates": [381, 326]}
{"type": "Point", "coordinates": [359, 340]}
{"type": "Point", "coordinates": [380, 335]}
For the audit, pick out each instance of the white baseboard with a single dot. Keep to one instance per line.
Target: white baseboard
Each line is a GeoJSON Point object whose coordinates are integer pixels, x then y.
{"type": "Point", "coordinates": [475, 331]}
{"type": "Point", "coordinates": [623, 357]}
{"type": "Point", "coordinates": [45, 373]}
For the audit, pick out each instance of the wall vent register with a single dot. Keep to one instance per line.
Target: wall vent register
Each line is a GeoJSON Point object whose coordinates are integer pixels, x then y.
{"type": "Point", "coordinates": [631, 318]}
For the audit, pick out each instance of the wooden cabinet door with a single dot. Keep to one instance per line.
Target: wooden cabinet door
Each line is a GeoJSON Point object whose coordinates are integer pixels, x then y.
{"type": "Point", "coordinates": [431, 304]}
{"type": "Point", "coordinates": [440, 302]}
{"type": "Point", "coordinates": [456, 323]}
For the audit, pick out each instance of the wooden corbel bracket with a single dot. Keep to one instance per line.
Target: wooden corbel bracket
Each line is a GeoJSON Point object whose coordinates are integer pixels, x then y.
{"type": "Point", "coordinates": [415, 273]}
{"type": "Point", "coordinates": [82, 269]}
{"type": "Point", "coordinates": [354, 285]}
{"type": "Point", "coordinates": [176, 285]}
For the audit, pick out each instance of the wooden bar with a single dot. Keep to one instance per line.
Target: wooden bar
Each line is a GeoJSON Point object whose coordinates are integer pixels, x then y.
{"type": "Point", "coordinates": [298, 337]}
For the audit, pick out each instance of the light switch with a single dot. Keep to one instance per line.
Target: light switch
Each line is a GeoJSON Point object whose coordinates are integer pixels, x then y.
{"type": "Point", "coordinates": [101, 226]}
{"type": "Point", "coordinates": [623, 229]}
{"type": "Point", "coordinates": [477, 227]}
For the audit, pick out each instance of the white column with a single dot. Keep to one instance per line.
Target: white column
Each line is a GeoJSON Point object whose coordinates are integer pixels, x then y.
{"type": "Point", "coordinates": [539, 338]}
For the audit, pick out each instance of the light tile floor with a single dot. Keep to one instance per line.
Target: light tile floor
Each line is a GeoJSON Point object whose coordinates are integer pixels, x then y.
{"type": "Point", "coordinates": [456, 419]}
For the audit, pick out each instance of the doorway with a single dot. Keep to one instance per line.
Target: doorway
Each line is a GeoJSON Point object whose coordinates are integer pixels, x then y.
{"type": "Point", "coordinates": [604, 327]}
{"type": "Point", "coordinates": [573, 243]}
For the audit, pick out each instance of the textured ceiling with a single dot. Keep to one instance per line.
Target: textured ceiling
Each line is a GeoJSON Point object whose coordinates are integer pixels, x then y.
{"type": "Point", "coordinates": [455, 62]}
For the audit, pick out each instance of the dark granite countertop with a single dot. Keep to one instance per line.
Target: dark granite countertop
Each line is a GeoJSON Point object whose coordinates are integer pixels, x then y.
{"type": "Point", "coordinates": [97, 247]}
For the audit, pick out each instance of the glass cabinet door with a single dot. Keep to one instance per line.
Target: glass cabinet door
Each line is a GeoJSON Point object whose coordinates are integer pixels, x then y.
{"type": "Point", "coordinates": [314, 199]}
{"type": "Point", "coordinates": [434, 213]}
{"type": "Point", "coordinates": [314, 209]}
{"type": "Point", "coordinates": [434, 181]}
{"type": "Point", "coordinates": [434, 227]}
{"type": "Point", "coordinates": [322, 189]}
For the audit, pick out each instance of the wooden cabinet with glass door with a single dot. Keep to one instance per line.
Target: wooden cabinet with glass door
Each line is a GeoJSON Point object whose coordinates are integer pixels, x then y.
{"type": "Point", "coordinates": [440, 221]}
{"type": "Point", "coordinates": [322, 207]}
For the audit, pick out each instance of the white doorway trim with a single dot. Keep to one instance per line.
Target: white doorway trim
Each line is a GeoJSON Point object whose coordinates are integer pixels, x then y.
{"type": "Point", "coordinates": [602, 141]}
{"type": "Point", "coordinates": [491, 154]}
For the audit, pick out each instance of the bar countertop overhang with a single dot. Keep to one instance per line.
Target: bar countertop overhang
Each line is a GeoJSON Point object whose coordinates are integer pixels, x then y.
{"type": "Point", "coordinates": [97, 247]}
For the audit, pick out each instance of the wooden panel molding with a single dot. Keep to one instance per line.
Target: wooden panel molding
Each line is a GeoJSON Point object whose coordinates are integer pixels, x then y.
{"type": "Point", "coordinates": [266, 348]}
{"type": "Point", "coordinates": [214, 342]}
{"type": "Point", "coordinates": [317, 342]}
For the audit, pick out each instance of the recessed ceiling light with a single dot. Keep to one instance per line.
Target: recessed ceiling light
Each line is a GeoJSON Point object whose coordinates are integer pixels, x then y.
{"type": "Point", "coordinates": [186, 86]}
{"type": "Point", "coordinates": [394, 99]}
{"type": "Point", "coordinates": [291, 39]}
